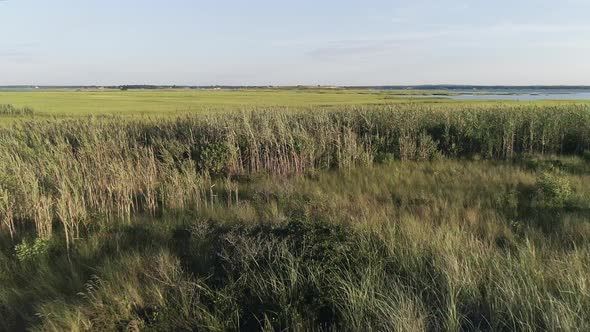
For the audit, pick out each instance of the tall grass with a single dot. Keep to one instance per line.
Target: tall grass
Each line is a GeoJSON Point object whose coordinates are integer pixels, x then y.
{"type": "Point", "coordinates": [440, 245]}
{"type": "Point", "coordinates": [276, 219]}
{"type": "Point", "coordinates": [11, 110]}
{"type": "Point", "coordinates": [72, 170]}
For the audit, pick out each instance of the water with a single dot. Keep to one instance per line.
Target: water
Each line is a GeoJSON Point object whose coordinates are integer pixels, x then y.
{"type": "Point", "coordinates": [12, 88]}
{"type": "Point", "coordinates": [529, 95]}
{"type": "Point", "coordinates": [525, 94]}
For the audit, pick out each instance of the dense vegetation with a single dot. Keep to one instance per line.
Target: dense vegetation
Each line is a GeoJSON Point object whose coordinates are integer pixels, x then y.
{"type": "Point", "coordinates": [11, 110]}
{"type": "Point", "coordinates": [402, 217]}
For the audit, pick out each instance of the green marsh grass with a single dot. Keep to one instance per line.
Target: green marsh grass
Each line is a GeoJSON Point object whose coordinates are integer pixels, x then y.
{"type": "Point", "coordinates": [173, 102]}
{"type": "Point", "coordinates": [407, 246]}
{"type": "Point", "coordinates": [399, 217]}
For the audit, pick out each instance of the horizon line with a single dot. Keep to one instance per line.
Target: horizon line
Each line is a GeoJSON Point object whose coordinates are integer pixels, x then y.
{"type": "Point", "coordinates": [296, 85]}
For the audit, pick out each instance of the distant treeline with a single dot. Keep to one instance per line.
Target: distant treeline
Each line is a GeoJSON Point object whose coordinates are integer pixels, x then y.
{"type": "Point", "coordinates": [126, 87]}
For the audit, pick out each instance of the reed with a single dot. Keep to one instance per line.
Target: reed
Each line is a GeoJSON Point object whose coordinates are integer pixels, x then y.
{"type": "Point", "coordinates": [430, 245]}
{"type": "Point", "coordinates": [69, 170]}
{"type": "Point", "coordinates": [11, 110]}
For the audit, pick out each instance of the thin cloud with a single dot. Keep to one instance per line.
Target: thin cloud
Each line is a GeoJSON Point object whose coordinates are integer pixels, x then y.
{"type": "Point", "coordinates": [469, 36]}
{"type": "Point", "coordinates": [6, 54]}
{"type": "Point", "coordinates": [564, 44]}
{"type": "Point", "coordinates": [360, 46]}
{"type": "Point", "coordinates": [538, 28]}
{"type": "Point", "coordinates": [399, 20]}
{"type": "Point", "coordinates": [20, 50]}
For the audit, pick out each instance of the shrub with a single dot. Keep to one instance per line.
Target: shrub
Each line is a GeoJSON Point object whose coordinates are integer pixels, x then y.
{"type": "Point", "coordinates": [254, 258]}
{"type": "Point", "coordinates": [214, 158]}
{"type": "Point", "coordinates": [384, 158]}
{"type": "Point", "coordinates": [553, 190]}
{"type": "Point", "coordinates": [26, 251]}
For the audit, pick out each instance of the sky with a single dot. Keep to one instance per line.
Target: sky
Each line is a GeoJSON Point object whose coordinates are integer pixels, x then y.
{"type": "Point", "coordinates": [264, 42]}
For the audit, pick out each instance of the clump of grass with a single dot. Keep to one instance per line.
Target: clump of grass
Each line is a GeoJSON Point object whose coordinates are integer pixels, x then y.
{"type": "Point", "coordinates": [11, 110]}
{"type": "Point", "coordinates": [7, 212]}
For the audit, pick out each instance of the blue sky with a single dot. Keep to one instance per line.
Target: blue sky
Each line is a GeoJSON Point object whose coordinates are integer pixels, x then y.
{"type": "Point", "coordinates": [294, 42]}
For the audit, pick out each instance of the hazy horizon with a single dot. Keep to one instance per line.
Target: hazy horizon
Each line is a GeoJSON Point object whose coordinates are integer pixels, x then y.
{"type": "Point", "coordinates": [346, 43]}
{"type": "Point", "coordinates": [565, 86]}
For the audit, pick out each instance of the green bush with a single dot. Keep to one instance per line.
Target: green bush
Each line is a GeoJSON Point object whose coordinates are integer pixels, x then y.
{"type": "Point", "coordinates": [215, 157]}
{"type": "Point", "coordinates": [553, 190]}
{"type": "Point", "coordinates": [384, 158]}
{"type": "Point", "coordinates": [253, 258]}
{"type": "Point", "coordinates": [26, 251]}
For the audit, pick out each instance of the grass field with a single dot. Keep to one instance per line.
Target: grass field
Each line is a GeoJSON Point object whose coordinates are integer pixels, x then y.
{"type": "Point", "coordinates": [166, 102]}
{"type": "Point", "coordinates": [170, 101]}
{"type": "Point", "coordinates": [307, 210]}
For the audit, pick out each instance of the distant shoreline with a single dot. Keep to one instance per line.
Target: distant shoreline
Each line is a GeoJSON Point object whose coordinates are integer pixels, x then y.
{"type": "Point", "coordinates": [427, 87]}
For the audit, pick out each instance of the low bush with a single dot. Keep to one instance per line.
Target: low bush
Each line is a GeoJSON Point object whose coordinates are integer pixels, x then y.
{"type": "Point", "coordinates": [27, 251]}
{"type": "Point", "coordinates": [553, 190]}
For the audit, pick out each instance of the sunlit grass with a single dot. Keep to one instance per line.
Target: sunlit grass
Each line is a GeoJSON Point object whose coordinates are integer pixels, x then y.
{"type": "Point", "coordinates": [405, 246]}
{"type": "Point", "coordinates": [170, 102]}
{"type": "Point", "coordinates": [409, 217]}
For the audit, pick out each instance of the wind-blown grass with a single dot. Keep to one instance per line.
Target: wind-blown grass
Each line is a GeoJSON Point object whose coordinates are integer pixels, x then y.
{"type": "Point", "coordinates": [68, 170]}
{"type": "Point", "coordinates": [407, 246]}
{"type": "Point", "coordinates": [10, 110]}
{"type": "Point", "coordinates": [388, 218]}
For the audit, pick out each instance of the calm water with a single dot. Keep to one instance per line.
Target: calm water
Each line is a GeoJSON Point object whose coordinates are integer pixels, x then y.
{"type": "Point", "coordinates": [517, 94]}
{"type": "Point", "coordinates": [526, 96]}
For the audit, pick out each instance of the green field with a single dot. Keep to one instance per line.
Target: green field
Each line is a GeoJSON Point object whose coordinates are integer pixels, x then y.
{"type": "Point", "coordinates": [166, 102]}
{"type": "Point", "coordinates": [171, 101]}
{"type": "Point", "coordinates": [307, 210]}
